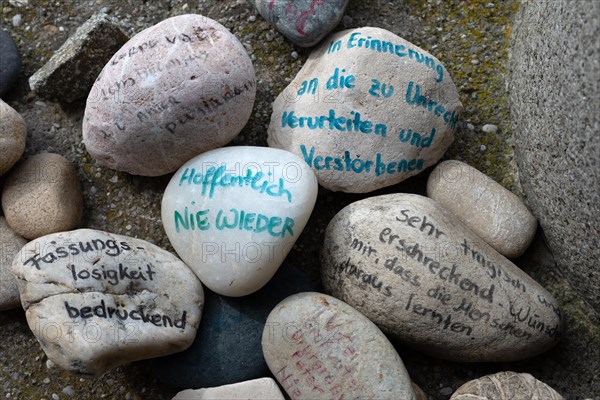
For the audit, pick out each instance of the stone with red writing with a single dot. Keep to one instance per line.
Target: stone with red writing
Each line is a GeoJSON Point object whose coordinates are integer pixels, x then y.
{"type": "Point", "coordinates": [13, 133]}
{"type": "Point", "coordinates": [233, 214]}
{"type": "Point", "coordinates": [10, 245]}
{"type": "Point", "coordinates": [319, 347]}
{"type": "Point", "coordinates": [426, 279]}
{"type": "Point", "coordinates": [494, 213]}
{"type": "Point", "coordinates": [42, 195]}
{"type": "Point", "coordinates": [368, 110]}
{"type": "Point", "coordinates": [173, 91]}
{"type": "Point", "coordinates": [506, 386]}
{"type": "Point", "coordinates": [304, 22]}
{"type": "Point", "coordinates": [257, 389]}
{"type": "Point", "coordinates": [96, 300]}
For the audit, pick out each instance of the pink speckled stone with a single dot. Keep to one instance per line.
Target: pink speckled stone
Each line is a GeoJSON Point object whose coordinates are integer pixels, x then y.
{"type": "Point", "coordinates": [175, 90]}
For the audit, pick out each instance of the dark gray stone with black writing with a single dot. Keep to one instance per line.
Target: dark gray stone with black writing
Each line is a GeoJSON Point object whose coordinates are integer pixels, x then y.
{"type": "Point", "coordinates": [96, 300]}
{"type": "Point", "coordinates": [175, 90]}
{"type": "Point", "coordinates": [506, 386]}
{"type": "Point", "coordinates": [554, 107]}
{"type": "Point", "coordinates": [72, 70]}
{"type": "Point", "coordinates": [10, 62]}
{"type": "Point", "coordinates": [367, 110]}
{"type": "Point", "coordinates": [319, 347]}
{"type": "Point", "coordinates": [304, 22]}
{"type": "Point", "coordinates": [426, 279]}
{"type": "Point", "coordinates": [10, 244]}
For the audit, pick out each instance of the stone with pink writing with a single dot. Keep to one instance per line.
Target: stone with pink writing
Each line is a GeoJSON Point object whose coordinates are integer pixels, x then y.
{"type": "Point", "coordinates": [423, 277]}
{"type": "Point", "coordinates": [304, 22]}
{"type": "Point", "coordinates": [368, 110]}
{"type": "Point", "coordinates": [256, 389]}
{"type": "Point", "coordinates": [175, 90]}
{"type": "Point", "coordinates": [96, 300]}
{"type": "Point", "coordinates": [234, 214]}
{"type": "Point", "coordinates": [494, 213]}
{"type": "Point", "coordinates": [319, 347]}
{"type": "Point", "coordinates": [506, 386]}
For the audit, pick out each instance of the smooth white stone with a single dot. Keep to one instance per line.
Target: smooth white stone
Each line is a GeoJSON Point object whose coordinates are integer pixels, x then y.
{"type": "Point", "coordinates": [257, 389]}
{"type": "Point", "coordinates": [275, 190]}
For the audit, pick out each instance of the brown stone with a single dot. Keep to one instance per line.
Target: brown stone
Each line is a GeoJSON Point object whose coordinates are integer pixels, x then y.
{"type": "Point", "coordinates": [13, 133]}
{"type": "Point", "coordinates": [42, 196]}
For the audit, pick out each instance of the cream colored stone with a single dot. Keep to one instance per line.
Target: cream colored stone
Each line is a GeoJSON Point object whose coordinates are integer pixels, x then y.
{"type": "Point", "coordinates": [494, 213]}
{"type": "Point", "coordinates": [368, 110]}
{"type": "Point", "coordinates": [506, 386]}
{"type": "Point", "coordinates": [10, 245]}
{"type": "Point", "coordinates": [426, 279]}
{"type": "Point", "coordinates": [42, 196]}
{"type": "Point", "coordinates": [319, 347]}
{"type": "Point", "coordinates": [95, 300]}
{"type": "Point", "coordinates": [257, 389]}
{"type": "Point", "coordinates": [175, 90]}
{"type": "Point", "coordinates": [13, 133]}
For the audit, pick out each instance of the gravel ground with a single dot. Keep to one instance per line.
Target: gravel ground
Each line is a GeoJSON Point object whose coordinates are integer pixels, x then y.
{"type": "Point", "coordinates": [470, 37]}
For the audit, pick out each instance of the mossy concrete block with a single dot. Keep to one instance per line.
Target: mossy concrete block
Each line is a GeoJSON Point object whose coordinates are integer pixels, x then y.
{"type": "Point", "coordinates": [555, 95]}
{"type": "Point", "coordinates": [72, 70]}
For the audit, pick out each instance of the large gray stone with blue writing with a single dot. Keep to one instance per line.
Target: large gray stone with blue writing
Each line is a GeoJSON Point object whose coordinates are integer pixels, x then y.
{"type": "Point", "coordinates": [367, 110]}
{"type": "Point", "coordinates": [175, 90]}
{"type": "Point", "coordinates": [304, 22]}
{"type": "Point", "coordinates": [319, 347]}
{"type": "Point", "coordinates": [96, 300]}
{"type": "Point", "coordinates": [233, 214]}
{"type": "Point", "coordinates": [425, 278]}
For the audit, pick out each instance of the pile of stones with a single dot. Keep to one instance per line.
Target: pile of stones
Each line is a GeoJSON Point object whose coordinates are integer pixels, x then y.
{"type": "Point", "coordinates": [368, 110]}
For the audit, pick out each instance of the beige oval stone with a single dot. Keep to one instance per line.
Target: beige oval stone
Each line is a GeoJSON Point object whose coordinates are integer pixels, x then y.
{"type": "Point", "coordinates": [506, 386]}
{"type": "Point", "coordinates": [10, 245]}
{"type": "Point", "coordinates": [319, 347]}
{"type": "Point", "coordinates": [423, 277]}
{"type": "Point", "coordinates": [96, 300]}
{"type": "Point", "coordinates": [367, 110]}
{"type": "Point", "coordinates": [494, 213]}
{"type": "Point", "coordinates": [42, 196]}
{"type": "Point", "coordinates": [13, 133]}
{"type": "Point", "coordinates": [177, 89]}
